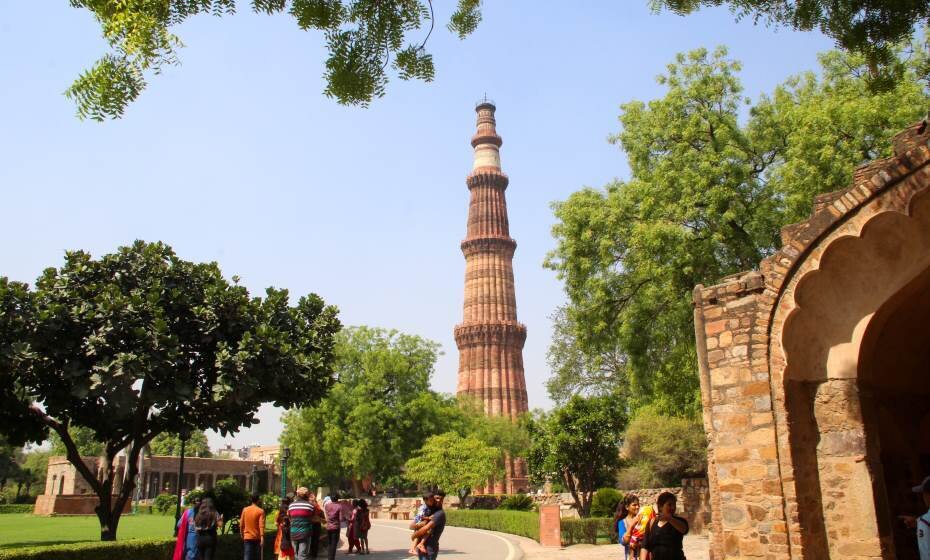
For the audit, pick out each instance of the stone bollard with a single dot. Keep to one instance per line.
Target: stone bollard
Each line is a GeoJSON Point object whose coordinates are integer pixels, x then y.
{"type": "Point", "coordinates": [550, 526]}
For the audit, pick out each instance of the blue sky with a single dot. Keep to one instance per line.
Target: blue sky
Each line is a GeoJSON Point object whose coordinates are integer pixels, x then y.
{"type": "Point", "coordinates": [236, 156]}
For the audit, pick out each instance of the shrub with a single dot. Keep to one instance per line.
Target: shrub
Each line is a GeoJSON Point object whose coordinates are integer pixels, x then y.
{"type": "Point", "coordinates": [605, 501]}
{"type": "Point", "coordinates": [228, 546]}
{"type": "Point", "coordinates": [16, 508]}
{"type": "Point", "coordinates": [523, 523]}
{"type": "Point", "coordinates": [590, 530]}
{"type": "Point", "coordinates": [520, 502]}
{"type": "Point", "coordinates": [270, 503]}
{"type": "Point", "coordinates": [660, 450]}
{"type": "Point", "coordinates": [164, 503]}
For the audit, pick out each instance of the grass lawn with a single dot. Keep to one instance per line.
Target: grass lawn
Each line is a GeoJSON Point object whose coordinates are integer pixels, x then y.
{"type": "Point", "coordinates": [20, 530]}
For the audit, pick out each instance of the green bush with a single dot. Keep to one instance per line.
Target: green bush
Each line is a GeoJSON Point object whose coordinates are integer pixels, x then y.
{"type": "Point", "coordinates": [16, 508]}
{"type": "Point", "coordinates": [164, 503]}
{"type": "Point", "coordinates": [604, 503]}
{"type": "Point", "coordinates": [591, 530]}
{"type": "Point", "coordinates": [520, 502]}
{"type": "Point", "coordinates": [523, 523]}
{"type": "Point", "coordinates": [228, 546]}
{"type": "Point", "coordinates": [270, 503]}
{"type": "Point", "coordinates": [663, 448]}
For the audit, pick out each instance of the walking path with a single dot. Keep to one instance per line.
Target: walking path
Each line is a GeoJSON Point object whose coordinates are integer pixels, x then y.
{"type": "Point", "coordinates": [390, 540]}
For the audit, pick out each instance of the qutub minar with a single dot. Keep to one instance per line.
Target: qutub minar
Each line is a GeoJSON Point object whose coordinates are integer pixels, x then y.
{"type": "Point", "coordinates": [489, 339]}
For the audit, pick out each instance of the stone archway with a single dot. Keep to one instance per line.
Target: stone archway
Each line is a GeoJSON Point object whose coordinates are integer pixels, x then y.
{"type": "Point", "coordinates": [853, 346]}
{"type": "Point", "coordinates": [804, 367]}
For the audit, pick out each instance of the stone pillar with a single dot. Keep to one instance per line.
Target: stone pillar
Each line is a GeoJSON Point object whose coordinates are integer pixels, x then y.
{"type": "Point", "coordinates": [748, 514]}
{"type": "Point", "coordinates": [846, 482]}
{"type": "Point", "coordinates": [550, 526]}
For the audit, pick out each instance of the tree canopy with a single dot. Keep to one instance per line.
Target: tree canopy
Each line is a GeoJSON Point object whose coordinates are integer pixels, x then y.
{"type": "Point", "coordinates": [141, 342]}
{"type": "Point", "coordinates": [871, 28]}
{"type": "Point", "coordinates": [378, 413]}
{"type": "Point", "coordinates": [167, 443]}
{"type": "Point", "coordinates": [710, 186]}
{"type": "Point", "coordinates": [454, 463]}
{"type": "Point", "coordinates": [577, 445]}
{"type": "Point", "coordinates": [85, 440]}
{"type": "Point", "coordinates": [363, 38]}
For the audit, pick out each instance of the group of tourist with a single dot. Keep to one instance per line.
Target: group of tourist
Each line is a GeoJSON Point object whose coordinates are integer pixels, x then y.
{"type": "Point", "coordinates": [650, 532]}
{"type": "Point", "coordinates": [300, 523]}
{"type": "Point", "coordinates": [299, 528]}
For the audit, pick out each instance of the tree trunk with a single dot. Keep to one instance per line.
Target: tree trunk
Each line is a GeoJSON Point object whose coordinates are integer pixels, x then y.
{"type": "Point", "coordinates": [356, 486]}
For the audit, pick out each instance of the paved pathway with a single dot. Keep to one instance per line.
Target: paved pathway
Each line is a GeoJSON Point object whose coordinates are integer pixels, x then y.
{"type": "Point", "coordinates": [390, 540]}
{"type": "Point", "coordinates": [695, 549]}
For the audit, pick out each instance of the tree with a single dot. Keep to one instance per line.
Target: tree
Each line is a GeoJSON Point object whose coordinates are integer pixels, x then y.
{"type": "Point", "coordinates": [34, 469]}
{"type": "Point", "coordinates": [707, 196]}
{"type": "Point", "coordinates": [454, 463]}
{"type": "Point", "coordinates": [377, 414]}
{"type": "Point", "coordinates": [661, 450]}
{"type": "Point", "coordinates": [361, 37]}
{"type": "Point", "coordinates": [84, 439]}
{"type": "Point", "coordinates": [167, 443]}
{"type": "Point", "coordinates": [141, 342]}
{"type": "Point", "coordinates": [9, 462]}
{"type": "Point", "coordinates": [577, 444]}
{"type": "Point", "coordinates": [577, 370]}
{"type": "Point", "coordinates": [868, 27]}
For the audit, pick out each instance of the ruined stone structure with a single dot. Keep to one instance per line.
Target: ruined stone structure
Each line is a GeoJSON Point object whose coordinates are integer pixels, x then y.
{"type": "Point", "coordinates": [490, 339]}
{"type": "Point", "coordinates": [814, 375]}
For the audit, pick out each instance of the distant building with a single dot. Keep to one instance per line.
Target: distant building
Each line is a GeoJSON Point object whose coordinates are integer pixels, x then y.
{"type": "Point", "coordinates": [66, 491]}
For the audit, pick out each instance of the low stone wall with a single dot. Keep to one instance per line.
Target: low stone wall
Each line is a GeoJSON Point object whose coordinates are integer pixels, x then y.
{"type": "Point", "coordinates": [65, 504]}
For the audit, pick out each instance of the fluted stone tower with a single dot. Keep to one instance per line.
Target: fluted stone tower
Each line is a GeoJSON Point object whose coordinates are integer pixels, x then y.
{"type": "Point", "coordinates": [489, 339]}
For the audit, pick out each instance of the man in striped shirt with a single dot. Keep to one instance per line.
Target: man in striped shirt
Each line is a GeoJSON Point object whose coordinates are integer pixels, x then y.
{"type": "Point", "coordinates": [301, 512]}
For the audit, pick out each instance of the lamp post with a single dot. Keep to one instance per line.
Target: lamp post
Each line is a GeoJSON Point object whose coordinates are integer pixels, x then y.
{"type": "Point", "coordinates": [285, 453]}
{"type": "Point", "coordinates": [183, 434]}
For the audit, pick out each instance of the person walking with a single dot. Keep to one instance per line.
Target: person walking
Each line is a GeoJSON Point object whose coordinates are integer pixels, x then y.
{"type": "Point", "coordinates": [206, 522]}
{"type": "Point", "coordinates": [301, 513]}
{"type": "Point", "coordinates": [283, 548]}
{"type": "Point", "coordinates": [316, 526]}
{"type": "Point", "coordinates": [352, 529]}
{"type": "Point", "coordinates": [433, 529]}
{"type": "Point", "coordinates": [252, 528]}
{"type": "Point", "coordinates": [666, 533]}
{"type": "Point", "coordinates": [186, 546]}
{"type": "Point", "coordinates": [625, 519]}
{"type": "Point", "coordinates": [364, 524]}
{"type": "Point", "coordinates": [334, 518]}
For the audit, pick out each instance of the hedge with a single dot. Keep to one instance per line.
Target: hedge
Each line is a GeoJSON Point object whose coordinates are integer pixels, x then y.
{"type": "Point", "coordinates": [523, 523]}
{"type": "Point", "coordinates": [229, 546]}
{"type": "Point", "coordinates": [591, 530]}
{"type": "Point", "coordinates": [16, 508]}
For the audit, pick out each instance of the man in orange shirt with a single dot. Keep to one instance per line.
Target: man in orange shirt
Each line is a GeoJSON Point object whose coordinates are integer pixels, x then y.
{"type": "Point", "coordinates": [252, 528]}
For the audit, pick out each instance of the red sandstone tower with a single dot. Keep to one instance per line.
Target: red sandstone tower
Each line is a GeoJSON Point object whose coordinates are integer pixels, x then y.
{"type": "Point", "coordinates": [489, 339]}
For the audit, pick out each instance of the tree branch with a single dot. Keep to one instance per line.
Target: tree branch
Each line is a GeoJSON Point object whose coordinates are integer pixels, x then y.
{"type": "Point", "coordinates": [72, 453]}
